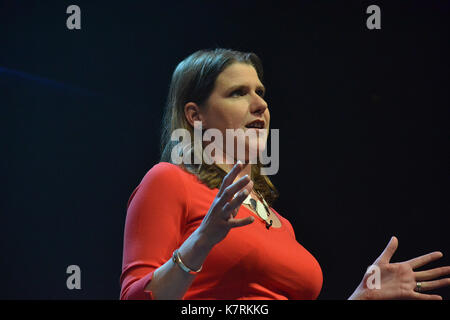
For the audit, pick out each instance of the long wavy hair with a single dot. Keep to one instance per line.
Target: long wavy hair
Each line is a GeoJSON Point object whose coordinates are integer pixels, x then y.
{"type": "Point", "coordinates": [193, 81]}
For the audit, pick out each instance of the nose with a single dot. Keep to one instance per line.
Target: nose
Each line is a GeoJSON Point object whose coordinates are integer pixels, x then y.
{"type": "Point", "coordinates": [258, 105]}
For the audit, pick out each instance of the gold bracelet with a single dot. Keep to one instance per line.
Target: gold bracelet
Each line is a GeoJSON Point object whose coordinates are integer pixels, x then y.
{"type": "Point", "coordinates": [177, 260]}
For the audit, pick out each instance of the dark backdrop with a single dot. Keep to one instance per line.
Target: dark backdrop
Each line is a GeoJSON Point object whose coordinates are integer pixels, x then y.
{"type": "Point", "coordinates": [363, 118]}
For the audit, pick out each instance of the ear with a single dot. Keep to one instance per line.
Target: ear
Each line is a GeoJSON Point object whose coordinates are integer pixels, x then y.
{"type": "Point", "coordinates": [192, 113]}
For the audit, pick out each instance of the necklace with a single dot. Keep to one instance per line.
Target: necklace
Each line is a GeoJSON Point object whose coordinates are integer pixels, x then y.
{"type": "Point", "coordinates": [256, 205]}
{"type": "Point", "coordinates": [261, 208]}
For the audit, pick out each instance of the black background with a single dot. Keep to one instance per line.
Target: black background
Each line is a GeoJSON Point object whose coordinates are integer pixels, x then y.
{"type": "Point", "coordinates": [363, 118]}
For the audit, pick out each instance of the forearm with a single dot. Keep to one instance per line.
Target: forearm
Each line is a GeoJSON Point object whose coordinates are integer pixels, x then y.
{"type": "Point", "coordinates": [170, 282]}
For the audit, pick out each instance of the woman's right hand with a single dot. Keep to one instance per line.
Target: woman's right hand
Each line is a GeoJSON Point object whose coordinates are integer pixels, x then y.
{"type": "Point", "coordinates": [220, 218]}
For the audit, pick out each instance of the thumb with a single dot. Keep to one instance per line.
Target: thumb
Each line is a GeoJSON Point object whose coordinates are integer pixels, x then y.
{"type": "Point", "coordinates": [389, 251]}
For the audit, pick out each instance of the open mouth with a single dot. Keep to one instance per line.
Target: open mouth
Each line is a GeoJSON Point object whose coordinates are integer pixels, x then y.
{"type": "Point", "coordinates": [257, 124]}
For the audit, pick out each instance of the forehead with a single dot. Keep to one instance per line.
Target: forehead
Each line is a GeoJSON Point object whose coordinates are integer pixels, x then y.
{"type": "Point", "coordinates": [238, 73]}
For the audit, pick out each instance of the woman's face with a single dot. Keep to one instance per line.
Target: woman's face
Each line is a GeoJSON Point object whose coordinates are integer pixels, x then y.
{"type": "Point", "coordinates": [237, 102]}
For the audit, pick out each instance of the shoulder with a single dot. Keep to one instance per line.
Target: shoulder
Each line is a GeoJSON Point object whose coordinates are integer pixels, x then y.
{"type": "Point", "coordinates": [165, 173]}
{"type": "Point", "coordinates": [165, 168]}
{"type": "Point", "coordinates": [162, 180]}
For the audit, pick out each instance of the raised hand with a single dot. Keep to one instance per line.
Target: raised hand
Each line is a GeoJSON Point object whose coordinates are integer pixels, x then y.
{"type": "Point", "coordinates": [399, 280]}
{"type": "Point", "coordinates": [220, 218]}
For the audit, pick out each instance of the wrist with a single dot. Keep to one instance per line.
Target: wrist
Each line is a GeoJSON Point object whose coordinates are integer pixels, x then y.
{"type": "Point", "coordinates": [202, 242]}
{"type": "Point", "coordinates": [194, 251]}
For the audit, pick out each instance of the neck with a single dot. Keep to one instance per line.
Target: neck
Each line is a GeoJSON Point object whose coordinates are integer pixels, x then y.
{"type": "Point", "coordinates": [247, 169]}
{"type": "Point", "coordinates": [229, 164]}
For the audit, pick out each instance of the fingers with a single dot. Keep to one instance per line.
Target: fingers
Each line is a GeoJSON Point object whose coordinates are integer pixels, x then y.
{"type": "Point", "coordinates": [436, 284]}
{"type": "Point", "coordinates": [425, 259]}
{"type": "Point", "coordinates": [421, 296]}
{"type": "Point", "coordinates": [230, 191]}
{"type": "Point", "coordinates": [389, 251]}
{"type": "Point", "coordinates": [229, 178]}
{"type": "Point", "coordinates": [432, 274]}
{"type": "Point", "coordinates": [234, 204]}
{"type": "Point", "coordinates": [235, 223]}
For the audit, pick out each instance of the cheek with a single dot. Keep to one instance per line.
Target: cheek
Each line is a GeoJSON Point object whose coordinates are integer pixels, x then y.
{"type": "Point", "coordinates": [239, 118]}
{"type": "Point", "coordinates": [234, 119]}
{"type": "Point", "coordinates": [226, 116]}
{"type": "Point", "coordinates": [216, 118]}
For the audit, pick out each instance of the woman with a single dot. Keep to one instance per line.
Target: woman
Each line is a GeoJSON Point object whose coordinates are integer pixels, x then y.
{"type": "Point", "coordinates": [206, 229]}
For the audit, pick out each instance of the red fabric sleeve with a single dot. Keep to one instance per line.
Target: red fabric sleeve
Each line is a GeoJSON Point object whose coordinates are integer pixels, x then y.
{"type": "Point", "coordinates": [154, 224]}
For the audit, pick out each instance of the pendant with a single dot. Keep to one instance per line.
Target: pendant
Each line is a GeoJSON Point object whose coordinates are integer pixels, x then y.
{"type": "Point", "coordinates": [257, 207]}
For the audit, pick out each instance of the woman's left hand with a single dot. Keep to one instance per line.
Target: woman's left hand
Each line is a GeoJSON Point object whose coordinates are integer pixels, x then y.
{"type": "Point", "coordinates": [389, 281]}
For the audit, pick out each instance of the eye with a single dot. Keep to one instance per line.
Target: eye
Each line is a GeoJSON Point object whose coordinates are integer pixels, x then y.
{"type": "Point", "coordinates": [237, 93]}
{"type": "Point", "coordinates": [260, 93]}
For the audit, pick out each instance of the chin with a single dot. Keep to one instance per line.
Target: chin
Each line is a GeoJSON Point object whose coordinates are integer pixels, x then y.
{"type": "Point", "coordinates": [252, 152]}
{"type": "Point", "coordinates": [248, 148]}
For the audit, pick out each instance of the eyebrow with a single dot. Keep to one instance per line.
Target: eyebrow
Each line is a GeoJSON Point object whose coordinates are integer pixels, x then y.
{"type": "Point", "coordinates": [238, 86]}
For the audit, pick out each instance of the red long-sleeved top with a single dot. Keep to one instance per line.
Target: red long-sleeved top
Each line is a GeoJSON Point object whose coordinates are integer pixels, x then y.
{"type": "Point", "coordinates": [252, 262]}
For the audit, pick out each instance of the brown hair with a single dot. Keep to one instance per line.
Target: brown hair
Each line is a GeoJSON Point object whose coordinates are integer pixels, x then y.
{"type": "Point", "coordinates": [193, 81]}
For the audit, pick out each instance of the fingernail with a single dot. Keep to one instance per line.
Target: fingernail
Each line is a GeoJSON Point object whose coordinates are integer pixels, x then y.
{"type": "Point", "coordinates": [238, 163]}
{"type": "Point", "coordinates": [245, 192]}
